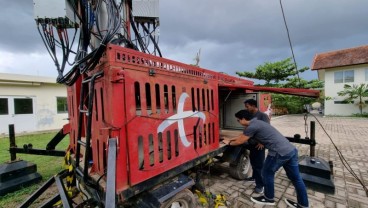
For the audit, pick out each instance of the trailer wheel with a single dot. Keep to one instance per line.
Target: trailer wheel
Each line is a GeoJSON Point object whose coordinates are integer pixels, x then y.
{"type": "Point", "coordinates": [241, 168]}
{"type": "Point", "coordinates": [183, 199]}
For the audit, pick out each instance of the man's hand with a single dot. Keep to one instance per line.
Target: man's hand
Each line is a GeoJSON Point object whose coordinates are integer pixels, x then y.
{"type": "Point", "coordinates": [226, 140]}
{"type": "Point", "coordinates": [259, 146]}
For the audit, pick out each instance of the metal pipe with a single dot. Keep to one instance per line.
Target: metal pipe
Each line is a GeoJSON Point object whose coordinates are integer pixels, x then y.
{"type": "Point", "coordinates": [110, 200]}
{"type": "Point", "coordinates": [313, 138]}
{"type": "Point", "coordinates": [13, 154]}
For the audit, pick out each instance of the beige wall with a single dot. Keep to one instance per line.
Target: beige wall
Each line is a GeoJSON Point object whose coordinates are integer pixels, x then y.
{"type": "Point", "coordinates": [44, 94]}
{"type": "Point", "coordinates": [332, 88]}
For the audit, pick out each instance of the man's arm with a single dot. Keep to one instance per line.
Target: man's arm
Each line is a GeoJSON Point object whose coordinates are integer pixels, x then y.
{"type": "Point", "coordinates": [241, 139]}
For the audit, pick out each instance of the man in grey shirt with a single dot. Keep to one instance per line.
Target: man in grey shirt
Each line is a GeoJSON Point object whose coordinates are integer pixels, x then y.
{"type": "Point", "coordinates": [280, 153]}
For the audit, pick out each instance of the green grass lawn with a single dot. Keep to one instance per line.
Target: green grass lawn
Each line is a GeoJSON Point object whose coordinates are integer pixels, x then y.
{"type": "Point", "coordinates": [47, 166]}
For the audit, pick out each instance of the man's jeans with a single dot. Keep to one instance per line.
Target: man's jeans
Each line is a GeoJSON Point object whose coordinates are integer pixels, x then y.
{"type": "Point", "coordinates": [256, 158]}
{"type": "Point", "coordinates": [290, 164]}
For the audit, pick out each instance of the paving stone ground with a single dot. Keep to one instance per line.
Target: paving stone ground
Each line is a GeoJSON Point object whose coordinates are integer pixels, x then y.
{"type": "Point", "coordinates": [349, 135]}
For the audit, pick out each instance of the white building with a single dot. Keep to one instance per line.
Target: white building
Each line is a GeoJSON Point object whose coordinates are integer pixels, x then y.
{"type": "Point", "coordinates": [337, 68]}
{"type": "Point", "coordinates": [31, 103]}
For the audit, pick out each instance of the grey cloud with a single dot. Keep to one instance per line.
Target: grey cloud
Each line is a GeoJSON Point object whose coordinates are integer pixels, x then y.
{"type": "Point", "coordinates": [252, 32]}
{"type": "Point", "coordinates": [18, 28]}
{"type": "Point", "coordinates": [234, 35]}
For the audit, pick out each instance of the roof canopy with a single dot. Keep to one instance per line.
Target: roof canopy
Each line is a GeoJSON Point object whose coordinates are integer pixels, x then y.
{"type": "Point", "coordinates": [345, 57]}
{"type": "Point", "coordinates": [287, 91]}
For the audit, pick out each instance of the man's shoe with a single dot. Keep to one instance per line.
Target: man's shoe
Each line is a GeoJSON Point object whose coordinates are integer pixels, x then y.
{"type": "Point", "coordinates": [262, 200]}
{"type": "Point", "coordinates": [291, 203]}
{"type": "Point", "coordinates": [258, 190]}
{"type": "Point", "coordinates": [251, 179]}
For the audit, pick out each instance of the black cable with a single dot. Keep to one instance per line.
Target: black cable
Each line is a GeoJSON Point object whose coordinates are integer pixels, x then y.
{"type": "Point", "coordinates": [98, 5]}
{"type": "Point", "coordinates": [88, 16]}
{"type": "Point", "coordinates": [137, 35]}
{"type": "Point", "coordinates": [113, 25]}
{"type": "Point", "coordinates": [75, 10]}
{"type": "Point", "coordinates": [87, 61]}
{"type": "Point", "coordinates": [153, 40]}
{"type": "Point", "coordinates": [64, 44]}
{"type": "Point", "coordinates": [44, 42]}
{"type": "Point", "coordinates": [342, 158]}
{"type": "Point", "coordinates": [98, 180]}
{"type": "Point", "coordinates": [291, 46]}
{"type": "Point", "coordinates": [49, 41]}
{"type": "Point", "coordinates": [71, 45]}
{"type": "Point", "coordinates": [85, 195]}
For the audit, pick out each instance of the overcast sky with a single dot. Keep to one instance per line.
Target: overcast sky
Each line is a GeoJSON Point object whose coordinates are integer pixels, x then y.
{"type": "Point", "coordinates": [233, 35]}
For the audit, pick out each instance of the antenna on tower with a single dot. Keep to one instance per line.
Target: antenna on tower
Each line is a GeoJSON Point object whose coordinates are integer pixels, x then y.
{"type": "Point", "coordinates": [197, 58]}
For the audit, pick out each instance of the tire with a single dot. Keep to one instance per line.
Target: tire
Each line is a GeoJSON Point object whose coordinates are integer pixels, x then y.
{"type": "Point", "coordinates": [183, 199]}
{"type": "Point", "coordinates": [242, 168]}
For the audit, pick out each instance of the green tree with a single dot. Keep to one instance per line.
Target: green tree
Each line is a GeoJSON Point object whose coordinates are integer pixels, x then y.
{"type": "Point", "coordinates": [355, 94]}
{"type": "Point", "coordinates": [294, 104]}
{"type": "Point", "coordinates": [273, 71]}
{"type": "Point", "coordinates": [296, 82]}
{"type": "Point", "coordinates": [282, 74]}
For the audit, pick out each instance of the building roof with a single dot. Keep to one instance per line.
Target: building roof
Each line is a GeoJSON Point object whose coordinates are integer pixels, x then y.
{"type": "Point", "coordinates": [338, 58]}
{"type": "Point", "coordinates": [6, 78]}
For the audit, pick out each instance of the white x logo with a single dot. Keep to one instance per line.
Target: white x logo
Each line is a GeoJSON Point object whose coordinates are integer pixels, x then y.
{"type": "Point", "coordinates": [179, 118]}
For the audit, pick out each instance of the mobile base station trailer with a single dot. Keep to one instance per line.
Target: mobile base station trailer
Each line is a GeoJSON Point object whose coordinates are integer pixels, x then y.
{"type": "Point", "coordinates": [140, 124]}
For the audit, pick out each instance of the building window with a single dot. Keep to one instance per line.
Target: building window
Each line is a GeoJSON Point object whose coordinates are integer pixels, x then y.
{"type": "Point", "coordinates": [366, 75]}
{"type": "Point", "coordinates": [23, 106]}
{"type": "Point", "coordinates": [4, 110]}
{"type": "Point", "coordinates": [341, 102]}
{"type": "Point", "coordinates": [339, 77]}
{"type": "Point", "coordinates": [344, 76]}
{"type": "Point", "coordinates": [349, 76]}
{"type": "Point", "coordinates": [62, 105]}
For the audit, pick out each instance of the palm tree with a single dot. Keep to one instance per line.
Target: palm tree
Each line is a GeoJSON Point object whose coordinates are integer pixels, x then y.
{"type": "Point", "coordinates": [355, 92]}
